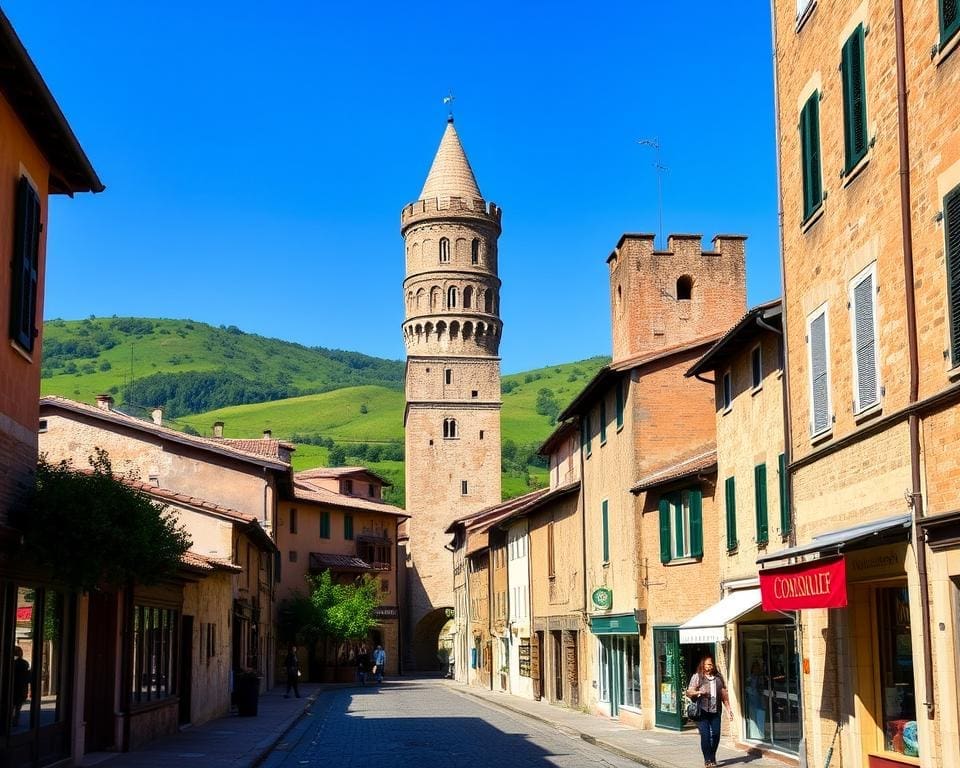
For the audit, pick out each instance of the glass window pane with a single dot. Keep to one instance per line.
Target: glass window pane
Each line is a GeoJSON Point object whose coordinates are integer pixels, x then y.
{"type": "Point", "coordinates": [896, 671]}
{"type": "Point", "coordinates": [24, 674]}
{"type": "Point", "coordinates": [51, 655]}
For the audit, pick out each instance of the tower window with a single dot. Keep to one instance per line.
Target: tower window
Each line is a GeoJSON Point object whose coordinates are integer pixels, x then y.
{"type": "Point", "coordinates": [449, 428]}
{"type": "Point", "coordinates": [452, 297]}
{"type": "Point", "coordinates": [474, 393]}
{"type": "Point", "coordinates": [684, 288]}
{"type": "Point", "coordinates": [444, 250]}
{"type": "Point", "coordinates": [448, 376]}
{"type": "Point", "coordinates": [467, 297]}
{"type": "Point", "coordinates": [463, 487]}
{"type": "Point", "coordinates": [475, 251]}
{"type": "Point", "coordinates": [481, 434]}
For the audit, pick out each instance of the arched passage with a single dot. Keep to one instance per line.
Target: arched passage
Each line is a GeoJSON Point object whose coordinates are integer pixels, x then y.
{"type": "Point", "coordinates": [426, 639]}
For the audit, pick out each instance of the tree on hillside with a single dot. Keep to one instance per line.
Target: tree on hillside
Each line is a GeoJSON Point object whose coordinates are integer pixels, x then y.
{"type": "Point", "coordinates": [547, 404]}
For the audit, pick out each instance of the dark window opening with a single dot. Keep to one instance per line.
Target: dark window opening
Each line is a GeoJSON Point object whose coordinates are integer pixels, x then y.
{"type": "Point", "coordinates": [684, 288]}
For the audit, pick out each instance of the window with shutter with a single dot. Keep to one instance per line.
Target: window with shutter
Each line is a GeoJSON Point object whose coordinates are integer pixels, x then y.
{"type": "Point", "coordinates": [866, 389]}
{"type": "Point", "coordinates": [619, 403]}
{"type": "Point", "coordinates": [756, 366]}
{"type": "Point", "coordinates": [605, 523]}
{"type": "Point", "coordinates": [760, 496]}
{"type": "Point", "coordinates": [951, 228]}
{"type": "Point", "coordinates": [727, 393]}
{"type": "Point", "coordinates": [348, 527]}
{"type": "Point", "coordinates": [949, 20]}
{"type": "Point", "coordinates": [695, 501]}
{"type": "Point", "coordinates": [26, 254]}
{"type": "Point", "coordinates": [810, 155]}
{"type": "Point", "coordinates": [585, 433]}
{"type": "Point", "coordinates": [817, 341]}
{"type": "Point", "coordinates": [730, 499]}
{"type": "Point", "coordinates": [603, 422]}
{"type": "Point", "coordinates": [854, 100]}
{"type": "Point", "coordinates": [325, 524]}
{"type": "Point", "coordinates": [784, 501]}
{"type": "Point", "coordinates": [666, 546]}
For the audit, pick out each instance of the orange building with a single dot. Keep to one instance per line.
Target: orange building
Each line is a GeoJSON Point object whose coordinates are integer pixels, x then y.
{"type": "Point", "coordinates": [39, 156]}
{"type": "Point", "coordinates": [335, 518]}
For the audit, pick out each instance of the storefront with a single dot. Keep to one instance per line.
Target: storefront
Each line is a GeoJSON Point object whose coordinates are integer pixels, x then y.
{"type": "Point", "coordinates": [860, 643]}
{"type": "Point", "coordinates": [675, 662]}
{"type": "Point", "coordinates": [618, 663]}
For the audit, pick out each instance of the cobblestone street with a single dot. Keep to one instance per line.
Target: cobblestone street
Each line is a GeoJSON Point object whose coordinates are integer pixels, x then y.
{"type": "Point", "coordinates": [425, 723]}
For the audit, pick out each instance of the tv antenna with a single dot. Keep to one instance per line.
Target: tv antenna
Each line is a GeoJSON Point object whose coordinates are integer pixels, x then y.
{"type": "Point", "coordinates": [659, 167]}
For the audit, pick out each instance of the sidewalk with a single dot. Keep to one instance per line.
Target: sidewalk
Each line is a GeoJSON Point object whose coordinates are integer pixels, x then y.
{"type": "Point", "coordinates": [227, 742]}
{"type": "Point", "coordinates": [655, 748]}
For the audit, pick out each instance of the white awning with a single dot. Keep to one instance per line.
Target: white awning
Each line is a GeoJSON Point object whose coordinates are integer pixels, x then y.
{"type": "Point", "coordinates": [709, 626]}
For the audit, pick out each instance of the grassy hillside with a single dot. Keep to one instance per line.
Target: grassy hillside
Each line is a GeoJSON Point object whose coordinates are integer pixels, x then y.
{"type": "Point", "coordinates": [83, 358]}
{"type": "Point", "coordinates": [341, 401]}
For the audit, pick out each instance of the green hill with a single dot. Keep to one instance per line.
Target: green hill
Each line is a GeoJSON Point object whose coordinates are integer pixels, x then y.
{"type": "Point", "coordinates": [326, 401]}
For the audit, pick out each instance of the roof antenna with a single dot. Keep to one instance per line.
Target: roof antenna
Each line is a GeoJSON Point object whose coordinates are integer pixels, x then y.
{"type": "Point", "coordinates": [659, 168]}
{"type": "Point", "coordinates": [449, 99]}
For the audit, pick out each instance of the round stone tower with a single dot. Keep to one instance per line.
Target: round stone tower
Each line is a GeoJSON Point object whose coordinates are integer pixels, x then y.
{"type": "Point", "coordinates": [452, 420]}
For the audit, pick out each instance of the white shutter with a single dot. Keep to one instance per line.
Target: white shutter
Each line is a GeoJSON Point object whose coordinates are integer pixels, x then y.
{"type": "Point", "coordinates": [866, 388]}
{"type": "Point", "coordinates": [819, 375]}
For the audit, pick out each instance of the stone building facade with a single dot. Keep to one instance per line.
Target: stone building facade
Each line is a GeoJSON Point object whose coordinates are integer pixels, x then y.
{"type": "Point", "coordinates": [452, 331]}
{"type": "Point", "coordinates": [869, 162]}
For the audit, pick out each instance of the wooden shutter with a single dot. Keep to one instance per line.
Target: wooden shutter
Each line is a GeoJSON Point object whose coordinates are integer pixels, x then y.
{"type": "Point", "coordinates": [867, 391]}
{"type": "Point", "coordinates": [730, 500]}
{"type": "Point", "coordinates": [619, 403]}
{"type": "Point", "coordinates": [26, 254]}
{"type": "Point", "coordinates": [784, 501]}
{"type": "Point", "coordinates": [949, 19]}
{"type": "Point", "coordinates": [696, 523]}
{"type": "Point", "coordinates": [551, 552]}
{"type": "Point", "coordinates": [605, 522]}
{"type": "Point", "coordinates": [810, 155]}
{"type": "Point", "coordinates": [820, 394]}
{"type": "Point", "coordinates": [535, 664]}
{"type": "Point", "coordinates": [760, 496]}
{"type": "Point", "coordinates": [665, 548]}
{"type": "Point", "coordinates": [951, 227]}
{"type": "Point", "coordinates": [603, 422]}
{"type": "Point", "coordinates": [348, 526]}
{"type": "Point", "coordinates": [854, 99]}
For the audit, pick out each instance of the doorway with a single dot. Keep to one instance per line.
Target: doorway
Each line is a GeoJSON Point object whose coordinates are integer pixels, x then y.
{"type": "Point", "coordinates": [186, 668]}
{"type": "Point", "coordinates": [674, 665]}
{"type": "Point", "coordinates": [770, 685]}
{"type": "Point", "coordinates": [98, 700]}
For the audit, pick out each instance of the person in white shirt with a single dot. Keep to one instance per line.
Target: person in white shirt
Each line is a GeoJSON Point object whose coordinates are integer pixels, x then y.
{"type": "Point", "coordinates": [708, 688]}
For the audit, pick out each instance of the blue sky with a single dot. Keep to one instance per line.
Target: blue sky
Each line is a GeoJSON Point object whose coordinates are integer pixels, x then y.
{"type": "Point", "coordinates": [256, 158]}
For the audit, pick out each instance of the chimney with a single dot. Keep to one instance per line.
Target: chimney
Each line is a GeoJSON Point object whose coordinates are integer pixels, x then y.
{"type": "Point", "coordinates": [157, 415]}
{"type": "Point", "coordinates": [218, 429]}
{"type": "Point", "coordinates": [105, 402]}
{"type": "Point", "coordinates": [267, 434]}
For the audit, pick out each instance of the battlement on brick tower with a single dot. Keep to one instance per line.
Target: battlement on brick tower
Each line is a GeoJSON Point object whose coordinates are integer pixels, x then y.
{"type": "Point", "coordinates": [663, 299]}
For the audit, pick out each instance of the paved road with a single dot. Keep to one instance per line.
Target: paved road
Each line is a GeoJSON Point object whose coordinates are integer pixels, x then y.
{"type": "Point", "coordinates": [422, 723]}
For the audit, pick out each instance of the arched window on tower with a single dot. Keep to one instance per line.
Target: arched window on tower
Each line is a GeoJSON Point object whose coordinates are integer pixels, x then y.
{"type": "Point", "coordinates": [449, 429]}
{"type": "Point", "coordinates": [684, 288]}
{"type": "Point", "coordinates": [444, 250]}
{"type": "Point", "coordinates": [467, 297]}
{"type": "Point", "coordinates": [488, 302]}
{"type": "Point", "coordinates": [451, 297]}
{"type": "Point", "coordinates": [475, 251]}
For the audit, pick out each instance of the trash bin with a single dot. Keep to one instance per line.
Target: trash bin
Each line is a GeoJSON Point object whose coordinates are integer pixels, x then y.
{"type": "Point", "coordinates": [248, 694]}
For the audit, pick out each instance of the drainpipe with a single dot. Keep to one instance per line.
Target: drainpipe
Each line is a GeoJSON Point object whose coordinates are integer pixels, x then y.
{"type": "Point", "coordinates": [916, 496]}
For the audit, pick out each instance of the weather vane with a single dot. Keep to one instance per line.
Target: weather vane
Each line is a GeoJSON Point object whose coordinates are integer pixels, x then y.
{"type": "Point", "coordinates": [659, 168]}
{"type": "Point", "coordinates": [449, 99]}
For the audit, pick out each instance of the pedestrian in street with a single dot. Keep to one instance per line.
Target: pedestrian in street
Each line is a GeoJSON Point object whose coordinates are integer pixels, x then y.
{"type": "Point", "coordinates": [292, 664]}
{"type": "Point", "coordinates": [363, 664]}
{"type": "Point", "coordinates": [21, 684]}
{"type": "Point", "coordinates": [379, 659]}
{"type": "Point", "coordinates": [708, 689]}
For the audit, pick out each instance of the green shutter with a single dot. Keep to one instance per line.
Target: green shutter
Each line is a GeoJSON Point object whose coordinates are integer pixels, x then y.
{"type": "Point", "coordinates": [324, 524]}
{"type": "Point", "coordinates": [665, 548]}
{"type": "Point", "coordinates": [25, 266]}
{"type": "Point", "coordinates": [603, 422]}
{"type": "Point", "coordinates": [949, 20]}
{"type": "Point", "coordinates": [348, 526]}
{"type": "Point", "coordinates": [854, 100]}
{"type": "Point", "coordinates": [810, 155]}
{"type": "Point", "coordinates": [730, 499]}
{"type": "Point", "coordinates": [951, 228]}
{"type": "Point", "coordinates": [696, 523]}
{"type": "Point", "coordinates": [619, 403]}
{"type": "Point", "coordinates": [605, 522]}
{"type": "Point", "coordinates": [784, 501]}
{"type": "Point", "coordinates": [760, 496]}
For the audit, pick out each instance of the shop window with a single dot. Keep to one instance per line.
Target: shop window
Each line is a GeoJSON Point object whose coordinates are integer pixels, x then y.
{"type": "Point", "coordinates": [154, 651]}
{"type": "Point", "coordinates": [897, 700]}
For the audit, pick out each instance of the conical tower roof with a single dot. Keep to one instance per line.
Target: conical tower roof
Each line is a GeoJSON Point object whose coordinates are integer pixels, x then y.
{"type": "Point", "coordinates": [451, 174]}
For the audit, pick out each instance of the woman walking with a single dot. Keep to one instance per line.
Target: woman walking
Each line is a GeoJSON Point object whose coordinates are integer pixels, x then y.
{"type": "Point", "coordinates": [708, 689]}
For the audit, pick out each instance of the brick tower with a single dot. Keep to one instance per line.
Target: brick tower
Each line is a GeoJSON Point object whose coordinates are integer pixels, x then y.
{"type": "Point", "coordinates": [452, 419]}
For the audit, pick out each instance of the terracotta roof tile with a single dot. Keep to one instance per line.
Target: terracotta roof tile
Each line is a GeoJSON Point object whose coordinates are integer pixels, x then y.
{"type": "Point", "coordinates": [304, 490]}
{"type": "Point", "coordinates": [705, 459]}
{"type": "Point", "coordinates": [320, 561]}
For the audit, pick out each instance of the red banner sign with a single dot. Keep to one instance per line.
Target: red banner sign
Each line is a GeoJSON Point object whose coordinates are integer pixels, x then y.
{"type": "Point", "coordinates": [818, 584]}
